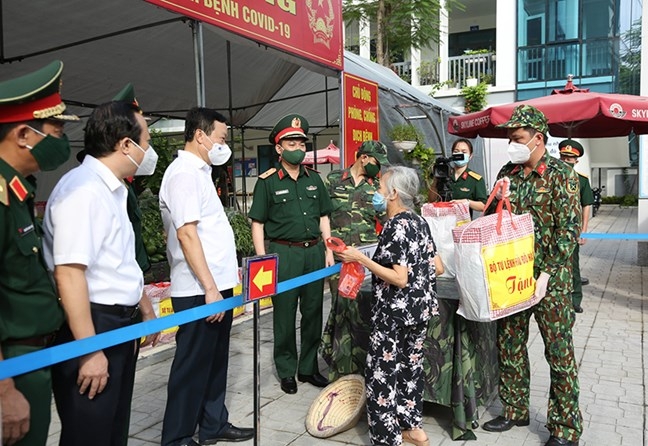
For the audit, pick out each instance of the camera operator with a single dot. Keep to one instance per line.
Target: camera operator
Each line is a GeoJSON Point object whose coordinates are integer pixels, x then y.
{"type": "Point", "coordinates": [457, 182]}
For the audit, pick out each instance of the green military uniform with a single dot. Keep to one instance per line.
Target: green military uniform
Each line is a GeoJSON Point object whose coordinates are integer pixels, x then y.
{"type": "Point", "coordinates": [290, 211]}
{"type": "Point", "coordinates": [469, 186]}
{"type": "Point", "coordinates": [127, 94]}
{"type": "Point", "coordinates": [346, 334]}
{"type": "Point", "coordinates": [550, 194]}
{"type": "Point", "coordinates": [30, 313]}
{"type": "Point", "coordinates": [573, 148]}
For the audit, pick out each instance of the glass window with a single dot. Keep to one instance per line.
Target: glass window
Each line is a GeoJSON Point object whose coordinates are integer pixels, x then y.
{"type": "Point", "coordinates": [599, 19]}
{"type": "Point", "coordinates": [562, 20]}
{"type": "Point", "coordinates": [531, 22]}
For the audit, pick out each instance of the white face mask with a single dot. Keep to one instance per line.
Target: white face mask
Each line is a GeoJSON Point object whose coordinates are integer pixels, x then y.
{"type": "Point", "coordinates": [519, 153]}
{"type": "Point", "coordinates": [219, 153]}
{"type": "Point", "coordinates": [147, 167]}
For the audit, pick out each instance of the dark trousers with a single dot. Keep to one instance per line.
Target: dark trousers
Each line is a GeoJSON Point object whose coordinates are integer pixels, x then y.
{"type": "Point", "coordinates": [102, 421]}
{"type": "Point", "coordinates": [295, 261]}
{"type": "Point", "coordinates": [198, 377]}
{"type": "Point", "coordinates": [36, 387]}
{"type": "Point", "coordinates": [577, 293]}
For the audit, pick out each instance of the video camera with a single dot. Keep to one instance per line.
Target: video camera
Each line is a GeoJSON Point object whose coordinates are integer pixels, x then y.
{"type": "Point", "coordinates": [441, 172]}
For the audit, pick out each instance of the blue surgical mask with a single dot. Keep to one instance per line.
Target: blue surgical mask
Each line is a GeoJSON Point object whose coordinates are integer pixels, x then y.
{"type": "Point", "coordinates": [379, 203]}
{"type": "Point", "coordinates": [463, 162]}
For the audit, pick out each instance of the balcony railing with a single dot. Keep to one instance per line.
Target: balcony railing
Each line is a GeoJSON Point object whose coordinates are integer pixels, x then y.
{"type": "Point", "coordinates": [479, 66]}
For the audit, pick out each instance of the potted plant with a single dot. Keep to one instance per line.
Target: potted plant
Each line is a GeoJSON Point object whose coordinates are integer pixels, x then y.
{"type": "Point", "coordinates": [242, 234]}
{"type": "Point", "coordinates": [474, 97]}
{"type": "Point", "coordinates": [405, 136]}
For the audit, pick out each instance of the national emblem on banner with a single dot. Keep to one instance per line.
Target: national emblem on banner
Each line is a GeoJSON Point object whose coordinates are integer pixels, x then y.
{"type": "Point", "coordinates": [321, 17]}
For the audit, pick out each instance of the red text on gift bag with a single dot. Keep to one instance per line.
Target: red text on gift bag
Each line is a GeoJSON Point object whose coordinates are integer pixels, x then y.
{"type": "Point", "coordinates": [352, 274]}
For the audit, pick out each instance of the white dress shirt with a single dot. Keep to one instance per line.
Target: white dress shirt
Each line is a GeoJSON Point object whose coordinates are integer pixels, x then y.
{"type": "Point", "coordinates": [187, 195]}
{"type": "Point", "coordinates": [86, 223]}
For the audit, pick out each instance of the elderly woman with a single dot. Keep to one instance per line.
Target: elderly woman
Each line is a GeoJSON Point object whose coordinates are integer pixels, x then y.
{"type": "Point", "coordinates": [404, 267]}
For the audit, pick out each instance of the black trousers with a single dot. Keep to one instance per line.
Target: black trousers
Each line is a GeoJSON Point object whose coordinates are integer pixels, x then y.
{"type": "Point", "coordinates": [104, 420]}
{"type": "Point", "coordinates": [198, 377]}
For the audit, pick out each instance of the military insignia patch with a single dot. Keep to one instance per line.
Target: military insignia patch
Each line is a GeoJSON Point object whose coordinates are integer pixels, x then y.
{"type": "Point", "coordinates": [542, 190]}
{"type": "Point", "coordinates": [572, 185]}
{"type": "Point", "coordinates": [311, 187]}
{"type": "Point", "coordinates": [18, 188]}
{"type": "Point", "coordinates": [464, 189]}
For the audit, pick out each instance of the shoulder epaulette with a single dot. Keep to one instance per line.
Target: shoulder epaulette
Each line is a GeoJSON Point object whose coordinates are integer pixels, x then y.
{"type": "Point", "coordinates": [475, 175]}
{"type": "Point", "coordinates": [583, 175]}
{"type": "Point", "coordinates": [267, 173]}
{"type": "Point", "coordinates": [4, 194]}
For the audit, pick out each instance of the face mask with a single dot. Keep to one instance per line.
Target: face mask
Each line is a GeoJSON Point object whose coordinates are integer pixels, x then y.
{"type": "Point", "coordinates": [371, 170]}
{"type": "Point", "coordinates": [293, 157]}
{"type": "Point", "coordinates": [463, 162]}
{"type": "Point", "coordinates": [519, 153]}
{"type": "Point", "coordinates": [379, 203]}
{"type": "Point", "coordinates": [50, 152]}
{"type": "Point", "coordinates": [148, 162]}
{"type": "Point", "coordinates": [219, 153]}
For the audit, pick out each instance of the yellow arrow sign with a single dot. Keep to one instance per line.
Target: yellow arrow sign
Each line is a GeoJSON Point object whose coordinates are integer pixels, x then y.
{"type": "Point", "coordinates": [262, 278]}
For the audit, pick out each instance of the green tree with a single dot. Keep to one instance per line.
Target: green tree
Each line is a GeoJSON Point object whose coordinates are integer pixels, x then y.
{"type": "Point", "coordinates": [400, 25]}
{"type": "Point", "coordinates": [630, 67]}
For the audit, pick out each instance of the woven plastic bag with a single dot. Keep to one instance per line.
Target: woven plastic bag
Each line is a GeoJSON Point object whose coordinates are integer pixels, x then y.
{"type": "Point", "coordinates": [442, 218]}
{"type": "Point", "coordinates": [352, 274]}
{"type": "Point", "coordinates": [494, 260]}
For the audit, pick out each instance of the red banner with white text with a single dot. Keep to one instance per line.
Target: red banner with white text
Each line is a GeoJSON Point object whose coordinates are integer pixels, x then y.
{"type": "Point", "coordinates": [361, 115]}
{"type": "Point", "coordinates": [311, 29]}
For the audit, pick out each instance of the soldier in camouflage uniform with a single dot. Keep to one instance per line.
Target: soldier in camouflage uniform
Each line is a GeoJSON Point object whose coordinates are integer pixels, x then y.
{"type": "Point", "coordinates": [346, 334]}
{"type": "Point", "coordinates": [547, 189]}
{"type": "Point", "coordinates": [570, 151]}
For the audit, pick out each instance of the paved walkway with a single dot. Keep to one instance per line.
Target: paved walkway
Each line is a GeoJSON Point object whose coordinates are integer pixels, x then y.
{"type": "Point", "coordinates": [610, 348]}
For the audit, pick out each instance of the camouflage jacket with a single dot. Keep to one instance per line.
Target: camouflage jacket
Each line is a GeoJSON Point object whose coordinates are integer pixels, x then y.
{"type": "Point", "coordinates": [353, 218]}
{"type": "Point", "coordinates": [550, 193]}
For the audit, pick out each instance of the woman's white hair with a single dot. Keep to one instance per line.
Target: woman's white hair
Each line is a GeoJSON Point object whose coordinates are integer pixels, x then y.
{"type": "Point", "coordinates": [405, 181]}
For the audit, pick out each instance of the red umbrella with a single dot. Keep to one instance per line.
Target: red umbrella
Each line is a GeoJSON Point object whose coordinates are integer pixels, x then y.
{"type": "Point", "coordinates": [571, 112]}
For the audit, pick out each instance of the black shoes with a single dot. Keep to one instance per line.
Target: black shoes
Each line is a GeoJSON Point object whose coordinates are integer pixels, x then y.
{"type": "Point", "coordinates": [289, 385]}
{"type": "Point", "coordinates": [584, 281]}
{"type": "Point", "coordinates": [232, 433]}
{"type": "Point", "coordinates": [557, 441]}
{"type": "Point", "coordinates": [315, 379]}
{"type": "Point", "coordinates": [501, 424]}
{"type": "Point", "coordinates": [578, 308]}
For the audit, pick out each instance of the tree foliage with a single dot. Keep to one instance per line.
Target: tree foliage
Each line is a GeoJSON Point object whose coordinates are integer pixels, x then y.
{"type": "Point", "coordinates": [400, 25]}
{"type": "Point", "coordinates": [630, 67]}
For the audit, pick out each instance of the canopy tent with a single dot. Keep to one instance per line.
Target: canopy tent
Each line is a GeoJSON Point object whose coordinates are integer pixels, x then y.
{"type": "Point", "coordinates": [108, 44]}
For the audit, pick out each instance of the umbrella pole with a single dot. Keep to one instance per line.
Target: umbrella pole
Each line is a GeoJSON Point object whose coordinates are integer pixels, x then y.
{"type": "Point", "coordinates": [199, 61]}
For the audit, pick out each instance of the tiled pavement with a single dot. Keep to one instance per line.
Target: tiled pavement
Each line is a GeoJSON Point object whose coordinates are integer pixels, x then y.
{"type": "Point", "coordinates": [610, 348]}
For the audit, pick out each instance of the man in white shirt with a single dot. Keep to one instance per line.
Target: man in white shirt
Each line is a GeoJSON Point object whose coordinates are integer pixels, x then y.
{"type": "Point", "coordinates": [204, 269]}
{"type": "Point", "coordinates": [89, 245]}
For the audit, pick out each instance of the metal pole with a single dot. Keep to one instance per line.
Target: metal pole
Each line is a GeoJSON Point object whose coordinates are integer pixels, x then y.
{"type": "Point", "coordinates": [199, 61]}
{"type": "Point", "coordinates": [257, 375]}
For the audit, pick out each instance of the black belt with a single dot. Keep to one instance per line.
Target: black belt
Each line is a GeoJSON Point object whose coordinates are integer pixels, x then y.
{"type": "Point", "coordinates": [304, 244]}
{"type": "Point", "coordinates": [125, 311]}
{"type": "Point", "coordinates": [35, 341]}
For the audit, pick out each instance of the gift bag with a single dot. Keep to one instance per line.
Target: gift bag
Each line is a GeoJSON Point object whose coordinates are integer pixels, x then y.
{"type": "Point", "coordinates": [352, 274]}
{"type": "Point", "coordinates": [442, 218]}
{"type": "Point", "coordinates": [494, 260]}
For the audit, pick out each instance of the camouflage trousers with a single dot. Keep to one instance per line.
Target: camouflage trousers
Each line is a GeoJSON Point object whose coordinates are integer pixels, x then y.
{"type": "Point", "coordinates": [555, 318]}
{"type": "Point", "coordinates": [346, 334]}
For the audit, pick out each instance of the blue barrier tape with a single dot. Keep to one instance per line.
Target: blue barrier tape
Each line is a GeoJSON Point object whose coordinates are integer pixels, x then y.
{"type": "Point", "coordinates": [611, 236]}
{"type": "Point", "coordinates": [47, 357]}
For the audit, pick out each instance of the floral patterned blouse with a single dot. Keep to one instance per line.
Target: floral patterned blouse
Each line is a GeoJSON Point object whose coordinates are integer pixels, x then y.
{"type": "Point", "coordinates": [406, 240]}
